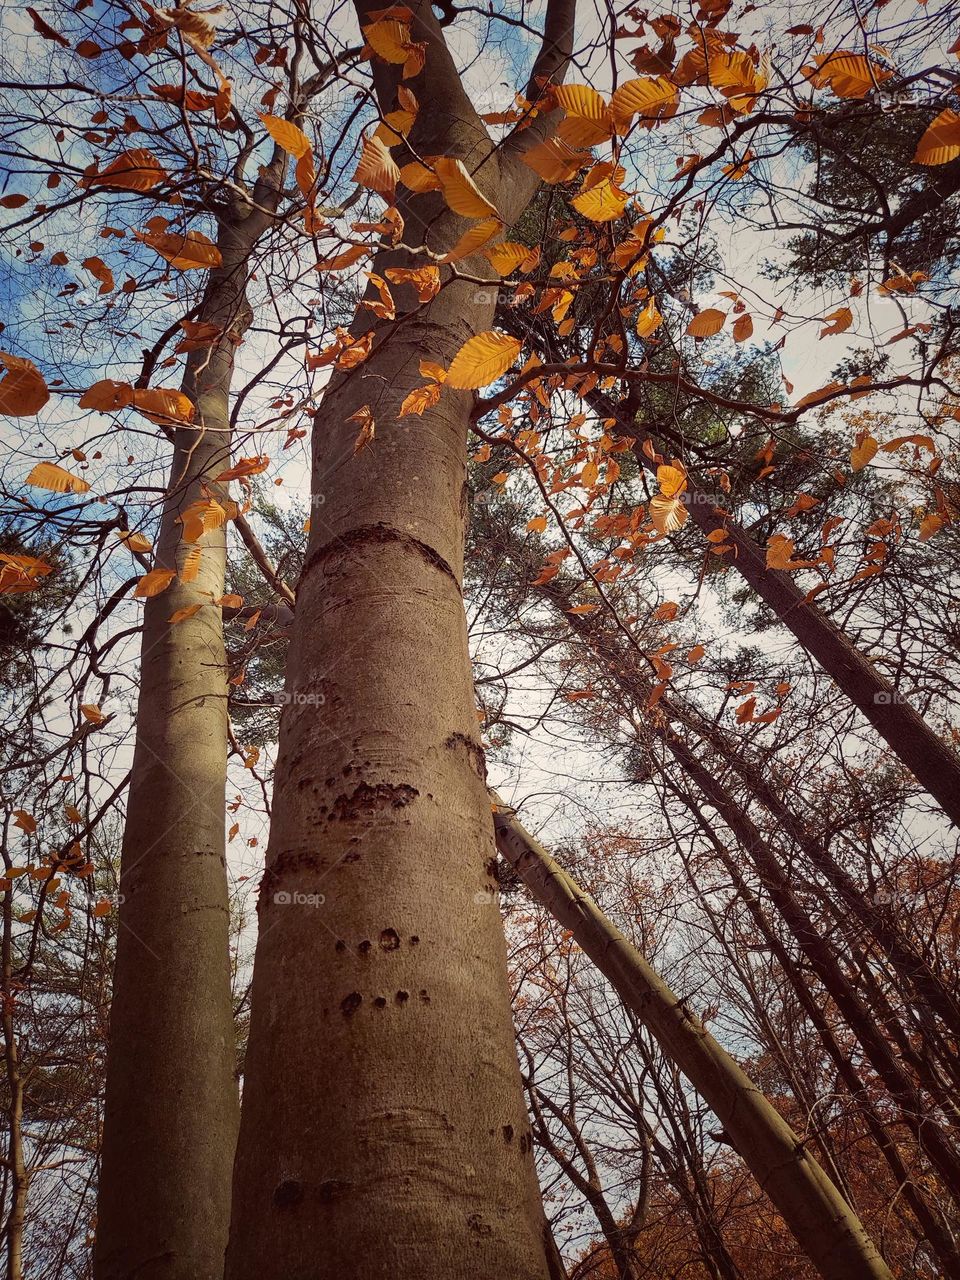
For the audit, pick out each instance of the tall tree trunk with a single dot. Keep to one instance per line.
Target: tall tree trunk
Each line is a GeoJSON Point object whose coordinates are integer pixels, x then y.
{"type": "Point", "coordinates": [172, 1107]}
{"type": "Point", "coordinates": [384, 1130]}
{"type": "Point", "coordinates": [825, 1226]}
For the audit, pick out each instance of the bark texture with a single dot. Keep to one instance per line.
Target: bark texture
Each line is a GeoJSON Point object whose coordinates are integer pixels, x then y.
{"type": "Point", "coordinates": [172, 1107]}
{"type": "Point", "coordinates": [384, 1130]}
{"type": "Point", "coordinates": [825, 1226]}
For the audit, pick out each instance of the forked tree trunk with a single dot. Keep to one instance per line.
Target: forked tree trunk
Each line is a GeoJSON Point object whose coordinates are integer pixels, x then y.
{"type": "Point", "coordinates": [824, 1224]}
{"type": "Point", "coordinates": [172, 1106]}
{"type": "Point", "coordinates": [384, 1131]}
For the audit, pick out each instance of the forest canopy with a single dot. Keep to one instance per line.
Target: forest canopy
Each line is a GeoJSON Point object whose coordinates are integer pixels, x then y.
{"type": "Point", "coordinates": [479, 525]}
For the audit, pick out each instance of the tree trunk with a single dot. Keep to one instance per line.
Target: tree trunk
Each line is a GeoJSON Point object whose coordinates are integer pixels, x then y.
{"type": "Point", "coordinates": [381, 1060]}
{"type": "Point", "coordinates": [825, 1226]}
{"type": "Point", "coordinates": [384, 1130]}
{"type": "Point", "coordinates": [171, 1094]}
{"type": "Point", "coordinates": [925, 754]}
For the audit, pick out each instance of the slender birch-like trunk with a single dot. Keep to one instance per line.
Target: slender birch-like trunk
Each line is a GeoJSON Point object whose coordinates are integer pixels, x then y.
{"type": "Point", "coordinates": [172, 1107]}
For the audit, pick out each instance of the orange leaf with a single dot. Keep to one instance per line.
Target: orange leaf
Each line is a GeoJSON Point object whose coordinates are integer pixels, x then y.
{"type": "Point", "coordinates": [47, 475]}
{"type": "Point", "coordinates": [419, 399]}
{"type": "Point", "coordinates": [706, 323]}
{"type": "Point", "coordinates": [505, 258]}
{"type": "Point", "coordinates": [187, 611]}
{"type": "Point", "coordinates": [377, 168]}
{"type": "Point", "coordinates": [100, 271]}
{"type": "Point", "coordinates": [672, 480]}
{"type": "Point", "coordinates": [667, 514]}
{"type": "Point", "coordinates": [841, 319]}
{"type": "Point", "coordinates": [482, 359]}
{"type": "Point", "coordinates": [931, 523]}
{"type": "Point", "coordinates": [941, 142]}
{"type": "Point", "coordinates": [779, 551]}
{"type": "Point", "coordinates": [603, 200]}
{"type": "Point", "coordinates": [136, 542]}
{"type": "Point", "coordinates": [426, 280]}
{"type": "Point", "coordinates": [368, 427]}
{"type": "Point", "coordinates": [587, 119]}
{"type": "Point", "coordinates": [862, 452]}
{"type": "Point", "coordinates": [187, 251]}
{"type": "Point", "coordinates": [245, 467]}
{"type": "Point", "coordinates": [287, 136]}
{"type": "Point", "coordinates": [163, 405]}
{"type": "Point", "coordinates": [23, 391]}
{"type": "Point", "coordinates": [589, 475]}
{"type": "Point", "coordinates": [742, 328]}
{"type": "Point", "coordinates": [653, 98]}
{"type": "Point", "coordinates": [134, 170]}
{"type": "Point", "coordinates": [25, 821]}
{"type": "Point", "coordinates": [472, 241]}
{"type": "Point", "coordinates": [649, 320]}
{"type": "Point", "coordinates": [461, 193]}
{"type": "Point", "coordinates": [106, 395]}
{"type": "Point", "coordinates": [849, 75]}
{"type": "Point", "coordinates": [152, 583]}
